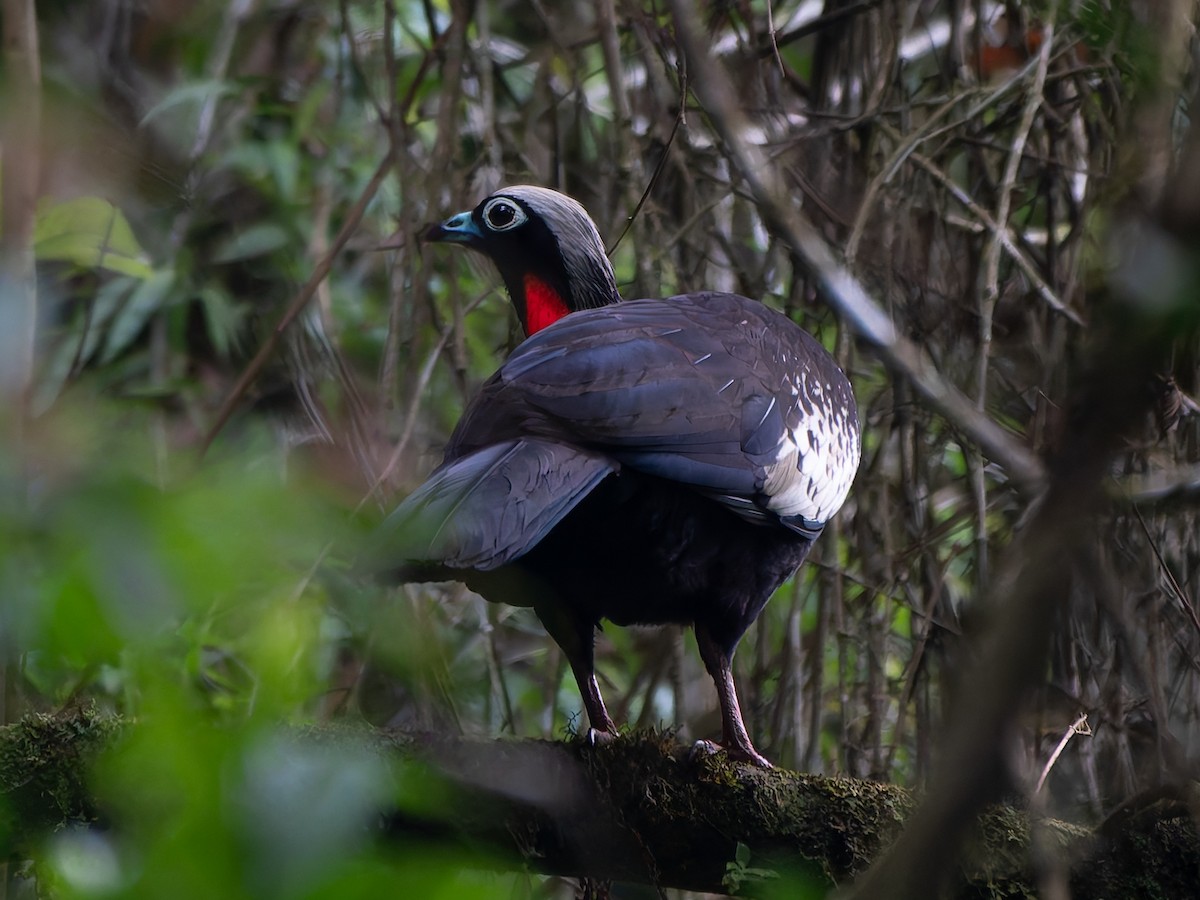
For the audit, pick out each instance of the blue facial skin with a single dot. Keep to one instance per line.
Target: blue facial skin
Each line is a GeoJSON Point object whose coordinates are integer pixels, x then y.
{"type": "Point", "coordinates": [458, 229]}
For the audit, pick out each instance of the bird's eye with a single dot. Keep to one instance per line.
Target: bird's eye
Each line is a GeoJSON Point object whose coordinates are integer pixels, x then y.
{"type": "Point", "coordinates": [502, 214]}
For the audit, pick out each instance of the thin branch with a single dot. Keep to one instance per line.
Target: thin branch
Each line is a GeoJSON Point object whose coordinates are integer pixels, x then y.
{"type": "Point", "coordinates": [819, 24]}
{"type": "Point", "coordinates": [1180, 485]}
{"type": "Point", "coordinates": [1079, 726]}
{"type": "Point", "coordinates": [1018, 256]}
{"type": "Point", "coordinates": [218, 64]}
{"type": "Point", "coordinates": [904, 147]}
{"type": "Point", "coordinates": [655, 175]}
{"type": "Point", "coordinates": [991, 254]}
{"type": "Point", "coordinates": [420, 383]}
{"type": "Point", "coordinates": [1176, 588]}
{"type": "Point", "coordinates": [991, 287]}
{"type": "Point", "coordinates": [255, 367]}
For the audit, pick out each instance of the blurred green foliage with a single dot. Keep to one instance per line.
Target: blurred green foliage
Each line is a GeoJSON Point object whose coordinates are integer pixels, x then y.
{"type": "Point", "coordinates": [183, 598]}
{"type": "Point", "coordinates": [187, 596]}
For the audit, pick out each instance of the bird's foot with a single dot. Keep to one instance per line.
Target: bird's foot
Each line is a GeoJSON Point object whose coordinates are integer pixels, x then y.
{"type": "Point", "coordinates": [746, 754]}
{"type": "Point", "coordinates": [596, 738]}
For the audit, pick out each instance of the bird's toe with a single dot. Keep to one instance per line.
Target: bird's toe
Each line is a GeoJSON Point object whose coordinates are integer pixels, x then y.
{"type": "Point", "coordinates": [596, 738]}
{"type": "Point", "coordinates": [739, 754]}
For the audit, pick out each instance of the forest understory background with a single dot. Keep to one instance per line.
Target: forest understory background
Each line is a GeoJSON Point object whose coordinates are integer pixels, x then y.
{"type": "Point", "coordinates": [181, 477]}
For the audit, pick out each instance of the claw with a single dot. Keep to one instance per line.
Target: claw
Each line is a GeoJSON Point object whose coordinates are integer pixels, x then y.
{"type": "Point", "coordinates": [596, 738]}
{"type": "Point", "coordinates": [739, 754]}
{"type": "Point", "coordinates": [735, 740]}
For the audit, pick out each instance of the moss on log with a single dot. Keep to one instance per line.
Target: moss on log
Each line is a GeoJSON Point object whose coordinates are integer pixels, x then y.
{"type": "Point", "coordinates": [642, 809]}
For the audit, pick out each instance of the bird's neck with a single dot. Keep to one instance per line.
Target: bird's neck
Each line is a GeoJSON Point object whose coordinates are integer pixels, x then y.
{"type": "Point", "coordinates": [541, 301]}
{"type": "Point", "coordinates": [543, 304]}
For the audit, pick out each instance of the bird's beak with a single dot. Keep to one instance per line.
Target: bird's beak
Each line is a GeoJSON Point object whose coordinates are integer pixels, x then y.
{"type": "Point", "coordinates": [458, 229]}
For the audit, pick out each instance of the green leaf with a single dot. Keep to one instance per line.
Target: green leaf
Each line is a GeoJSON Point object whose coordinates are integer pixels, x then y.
{"type": "Point", "coordinates": [143, 303]}
{"type": "Point", "coordinates": [91, 233]}
{"type": "Point", "coordinates": [257, 240]}
{"type": "Point", "coordinates": [223, 319]}
{"type": "Point", "coordinates": [283, 159]}
{"type": "Point", "coordinates": [195, 92]}
{"type": "Point", "coordinates": [80, 340]}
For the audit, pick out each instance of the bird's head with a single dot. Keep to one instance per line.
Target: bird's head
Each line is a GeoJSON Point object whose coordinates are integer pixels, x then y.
{"type": "Point", "coordinates": [546, 247]}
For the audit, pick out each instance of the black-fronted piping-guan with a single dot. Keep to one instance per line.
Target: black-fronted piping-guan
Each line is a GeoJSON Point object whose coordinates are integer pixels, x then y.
{"type": "Point", "coordinates": [641, 461]}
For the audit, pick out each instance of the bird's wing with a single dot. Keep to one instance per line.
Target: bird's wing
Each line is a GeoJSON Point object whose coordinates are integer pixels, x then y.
{"type": "Point", "coordinates": [489, 507]}
{"type": "Point", "coordinates": [712, 391]}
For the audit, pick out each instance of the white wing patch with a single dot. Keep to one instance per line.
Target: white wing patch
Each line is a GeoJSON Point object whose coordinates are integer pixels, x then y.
{"type": "Point", "coordinates": [817, 456]}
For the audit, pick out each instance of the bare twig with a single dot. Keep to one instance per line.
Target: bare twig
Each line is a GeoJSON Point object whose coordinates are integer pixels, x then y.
{"type": "Point", "coordinates": [420, 383]}
{"type": "Point", "coordinates": [1018, 256]}
{"type": "Point", "coordinates": [904, 147]}
{"type": "Point", "coordinates": [655, 175]}
{"type": "Point", "coordinates": [1079, 726]}
{"type": "Point", "coordinates": [1176, 588]}
{"type": "Point", "coordinates": [1180, 485]}
{"type": "Point", "coordinates": [255, 367]}
{"type": "Point", "coordinates": [218, 64]}
{"type": "Point", "coordinates": [819, 24]}
{"type": "Point", "coordinates": [990, 290]}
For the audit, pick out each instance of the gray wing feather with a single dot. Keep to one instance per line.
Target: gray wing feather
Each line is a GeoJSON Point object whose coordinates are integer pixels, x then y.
{"type": "Point", "coordinates": [490, 507]}
{"type": "Point", "coordinates": [645, 394]}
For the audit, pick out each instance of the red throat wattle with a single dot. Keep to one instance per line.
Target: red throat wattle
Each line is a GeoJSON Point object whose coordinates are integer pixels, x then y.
{"type": "Point", "coordinates": [543, 305]}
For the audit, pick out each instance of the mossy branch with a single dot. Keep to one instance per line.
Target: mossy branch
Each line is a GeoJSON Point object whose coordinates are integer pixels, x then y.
{"type": "Point", "coordinates": [641, 809]}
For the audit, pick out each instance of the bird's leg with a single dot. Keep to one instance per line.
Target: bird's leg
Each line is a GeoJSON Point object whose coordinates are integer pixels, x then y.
{"type": "Point", "coordinates": [735, 739]}
{"type": "Point", "coordinates": [577, 640]}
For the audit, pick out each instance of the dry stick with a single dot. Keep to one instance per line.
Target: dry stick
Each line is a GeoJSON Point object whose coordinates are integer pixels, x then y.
{"type": "Point", "coordinates": [903, 149]}
{"type": "Point", "coordinates": [840, 289]}
{"type": "Point", "coordinates": [1107, 400]}
{"type": "Point", "coordinates": [1178, 485]}
{"type": "Point", "coordinates": [908, 144]}
{"type": "Point", "coordinates": [255, 367]}
{"type": "Point", "coordinates": [773, 34]}
{"type": "Point", "coordinates": [413, 406]}
{"type": "Point", "coordinates": [610, 47]}
{"type": "Point", "coordinates": [629, 169]}
{"type": "Point", "coordinates": [909, 679]}
{"type": "Point", "coordinates": [818, 24]}
{"type": "Point", "coordinates": [397, 124]}
{"type": "Point", "coordinates": [990, 97]}
{"type": "Point", "coordinates": [654, 176]}
{"type": "Point", "coordinates": [1018, 256]}
{"type": "Point", "coordinates": [787, 712]}
{"type": "Point", "coordinates": [487, 94]}
{"type": "Point", "coordinates": [906, 147]}
{"type": "Point", "coordinates": [1176, 588]}
{"type": "Point", "coordinates": [1079, 726]}
{"type": "Point", "coordinates": [991, 284]}
{"type": "Point", "coordinates": [1033, 585]}
{"type": "Point", "coordinates": [496, 676]}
